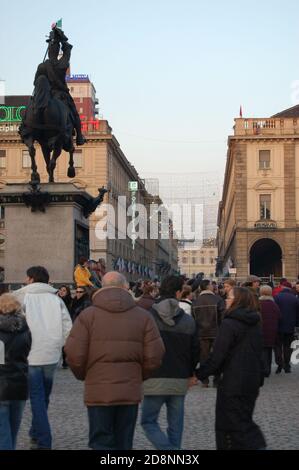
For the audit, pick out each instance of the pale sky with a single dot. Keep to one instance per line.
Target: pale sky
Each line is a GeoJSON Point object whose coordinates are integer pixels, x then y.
{"type": "Point", "coordinates": [170, 75]}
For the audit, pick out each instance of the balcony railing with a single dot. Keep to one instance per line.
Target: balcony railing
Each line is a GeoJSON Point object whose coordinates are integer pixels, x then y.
{"type": "Point", "coordinates": [262, 126]}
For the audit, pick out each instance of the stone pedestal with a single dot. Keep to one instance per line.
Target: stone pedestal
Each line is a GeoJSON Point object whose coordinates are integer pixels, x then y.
{"type": "Point", "coordinates": [53, 239]}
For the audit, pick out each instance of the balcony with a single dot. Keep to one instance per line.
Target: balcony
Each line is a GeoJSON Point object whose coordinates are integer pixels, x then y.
{"type": "Point", "coordinates": [266, 127]}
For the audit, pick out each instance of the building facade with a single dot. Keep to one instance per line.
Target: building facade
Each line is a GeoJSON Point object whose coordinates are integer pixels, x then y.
{"type": "Point", "coordinates": [198, 260]}
{"type": "Point", "coordinates": [100, 162]}
{"type": "Point", "coordinates": [258, 218]}
{"type": "Point", "coordinates": [84, 96]}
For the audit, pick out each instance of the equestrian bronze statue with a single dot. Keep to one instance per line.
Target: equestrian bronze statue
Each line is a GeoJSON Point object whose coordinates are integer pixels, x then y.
{"type": "Point", "coordinates": [51, 118]}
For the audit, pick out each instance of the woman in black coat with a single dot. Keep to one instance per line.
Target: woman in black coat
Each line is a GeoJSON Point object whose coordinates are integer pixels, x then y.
{"type": "Point", "coordinates": [237, 355]}
{"type": "Point", "coordinates": [64, 293]}
{"type": "Point", "coordinates": [15, 344]}
{"type": "Point", "coordinates": [80, 302]}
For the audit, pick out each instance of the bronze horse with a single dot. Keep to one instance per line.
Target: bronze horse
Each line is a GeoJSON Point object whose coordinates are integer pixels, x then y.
{"type": "Point", "coordinates": [51, 117]}
{"type": "Point", "coordinates": [51, 126]}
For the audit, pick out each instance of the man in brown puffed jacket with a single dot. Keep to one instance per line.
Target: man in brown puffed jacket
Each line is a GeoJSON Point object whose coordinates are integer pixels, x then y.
{"type": "Point", "coordinates": [113, 346]}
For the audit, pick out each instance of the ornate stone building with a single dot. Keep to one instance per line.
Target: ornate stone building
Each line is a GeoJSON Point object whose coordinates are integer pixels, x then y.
{"type": "Point", "coordinates": [258, 218]}
{"type": "Point", "coordinates": [198, 259]}
{"type": "Point", "coordinates": [100, 162]}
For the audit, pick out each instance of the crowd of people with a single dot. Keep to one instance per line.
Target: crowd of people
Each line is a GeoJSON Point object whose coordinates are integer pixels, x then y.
{"type": "Point", "coordinates": [145, 342]}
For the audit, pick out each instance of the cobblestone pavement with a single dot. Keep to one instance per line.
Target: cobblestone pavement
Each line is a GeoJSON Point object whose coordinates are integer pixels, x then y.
{"type": "Point", "coordinates": [277, 413]}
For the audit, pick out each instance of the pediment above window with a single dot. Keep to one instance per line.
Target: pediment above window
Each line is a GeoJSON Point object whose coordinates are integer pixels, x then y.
{"type": "Point", "coordinates": [265, 186]}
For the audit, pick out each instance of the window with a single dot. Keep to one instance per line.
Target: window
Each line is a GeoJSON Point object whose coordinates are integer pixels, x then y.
{"type": "Point", "coordinates": [264, 159]}
{"type": "Point", "coordinates": [2, 212]}
{"type": "Point", "coordinates": [78, 160]}
{"type": "Point", "coordinates": [193, 260]}
{"type": "Point", "coordinates": [184, 260]}
{"type": "Point", "coordinates": [2, 158]}
{"type": "Point", "coordinates": [211, 260]}
{"type": "Point", "coordinates": [26, 160]}
{"type": "Point", "coordinates": [202, 261]}
{"type": "Point", "coordinates": [265, 206]}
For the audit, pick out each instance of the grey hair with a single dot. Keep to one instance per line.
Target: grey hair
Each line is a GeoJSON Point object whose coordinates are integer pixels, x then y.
{"type": "Point", "coordinates": [266, 290]}
{"type": "Point", "coordinates": [114, 279]}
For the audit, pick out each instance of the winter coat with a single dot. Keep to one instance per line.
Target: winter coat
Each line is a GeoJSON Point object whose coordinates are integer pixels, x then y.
{"type": "Point", "coordinates": [270, 319]}
{"type": "Point", "coordinates": [186, 305]}
{"type": "Point", "coordinates": [145, 301]}
{"type": "Point", "coordinates": [48, 319]}
{"type": "Point", "coordinates": [94, 279]}
{"type": "Point", "coordinates": [15, 344]}
{"type": "Point", "coordinates": [208, 310]}
{"type": "Point", "coordinates": [82, 276]}
{"type": "Point", "coordinates": [78, 305]}
{"type": "Point", "coordinates": [113, 345]}
{"type": "Point", "coordinates": [237, 355]}
{"type": "Point", "coordinates": [178, 331]}
{"type": "Point", "coordinates": [67, 300]}
{"type": "Point", "coordinates": [289, 307]}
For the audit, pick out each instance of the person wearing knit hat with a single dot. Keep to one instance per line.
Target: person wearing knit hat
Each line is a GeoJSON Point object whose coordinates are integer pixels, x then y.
{"type": "Point", "coordinates": [253, 283]}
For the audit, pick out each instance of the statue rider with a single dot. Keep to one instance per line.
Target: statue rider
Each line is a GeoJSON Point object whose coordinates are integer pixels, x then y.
{"type": "Point", "coordinates": [55, 70]}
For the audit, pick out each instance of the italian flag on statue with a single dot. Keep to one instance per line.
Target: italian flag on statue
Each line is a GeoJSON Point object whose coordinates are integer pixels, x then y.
{"type": "Point", "coordinates": [58, 24]}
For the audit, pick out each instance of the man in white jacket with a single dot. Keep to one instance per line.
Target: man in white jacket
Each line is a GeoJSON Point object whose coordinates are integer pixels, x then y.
{"type": "Point", "coordinates": [50, 324]}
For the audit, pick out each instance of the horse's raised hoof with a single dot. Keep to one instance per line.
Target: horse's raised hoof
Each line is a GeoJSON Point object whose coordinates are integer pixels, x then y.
{"type": "Point", "coordinates": [71, 172]}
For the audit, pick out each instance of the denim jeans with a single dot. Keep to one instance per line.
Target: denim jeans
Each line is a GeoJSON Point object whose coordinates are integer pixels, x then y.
{"type": "Point", "coordinates": [151, 407]}
{"type": "Point", "coordinates": [112, 427]}
{"type": "Point", "coordinates": [11, 413]}
{"type": "Point", "coordinates": [40, 387]}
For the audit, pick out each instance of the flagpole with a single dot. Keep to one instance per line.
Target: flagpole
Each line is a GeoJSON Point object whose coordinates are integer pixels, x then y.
{"type": "Point", "coordinates": [58, 24]}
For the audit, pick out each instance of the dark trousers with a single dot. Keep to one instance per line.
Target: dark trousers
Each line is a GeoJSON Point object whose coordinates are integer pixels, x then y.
{"type": "Point", "coordinates": [206, 347]}
{"type": "Point", "coordinates": [235, 428]}
{"type": "Point", "coordinates": [267, 361]}
{"type": "Point", "coordinates": [112, 427]}
{"type": "Point", "coordinates": [283, 350]}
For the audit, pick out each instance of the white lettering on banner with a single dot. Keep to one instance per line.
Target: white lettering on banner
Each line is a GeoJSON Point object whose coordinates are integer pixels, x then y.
{"type": "Point", "coordinates": [2, 353]}
{"type": "Point", "coordinates": [295, 354]}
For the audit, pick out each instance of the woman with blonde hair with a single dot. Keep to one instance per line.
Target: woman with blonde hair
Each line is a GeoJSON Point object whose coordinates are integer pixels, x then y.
{"type": "Point", "coordinates": [15, 344]}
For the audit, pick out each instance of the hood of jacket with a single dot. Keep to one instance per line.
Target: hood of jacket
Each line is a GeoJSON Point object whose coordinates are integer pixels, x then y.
{"type": "Point", "coordinates": [13, 323]}
{"type": "Point", "coordinates": [113, 299]}
{"type": "Point", "coordinates": [167, 309]}
{"type": "Point", "coordinates": [37, 288]}
{"type": "Point", "coordinates": [244, 316]}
